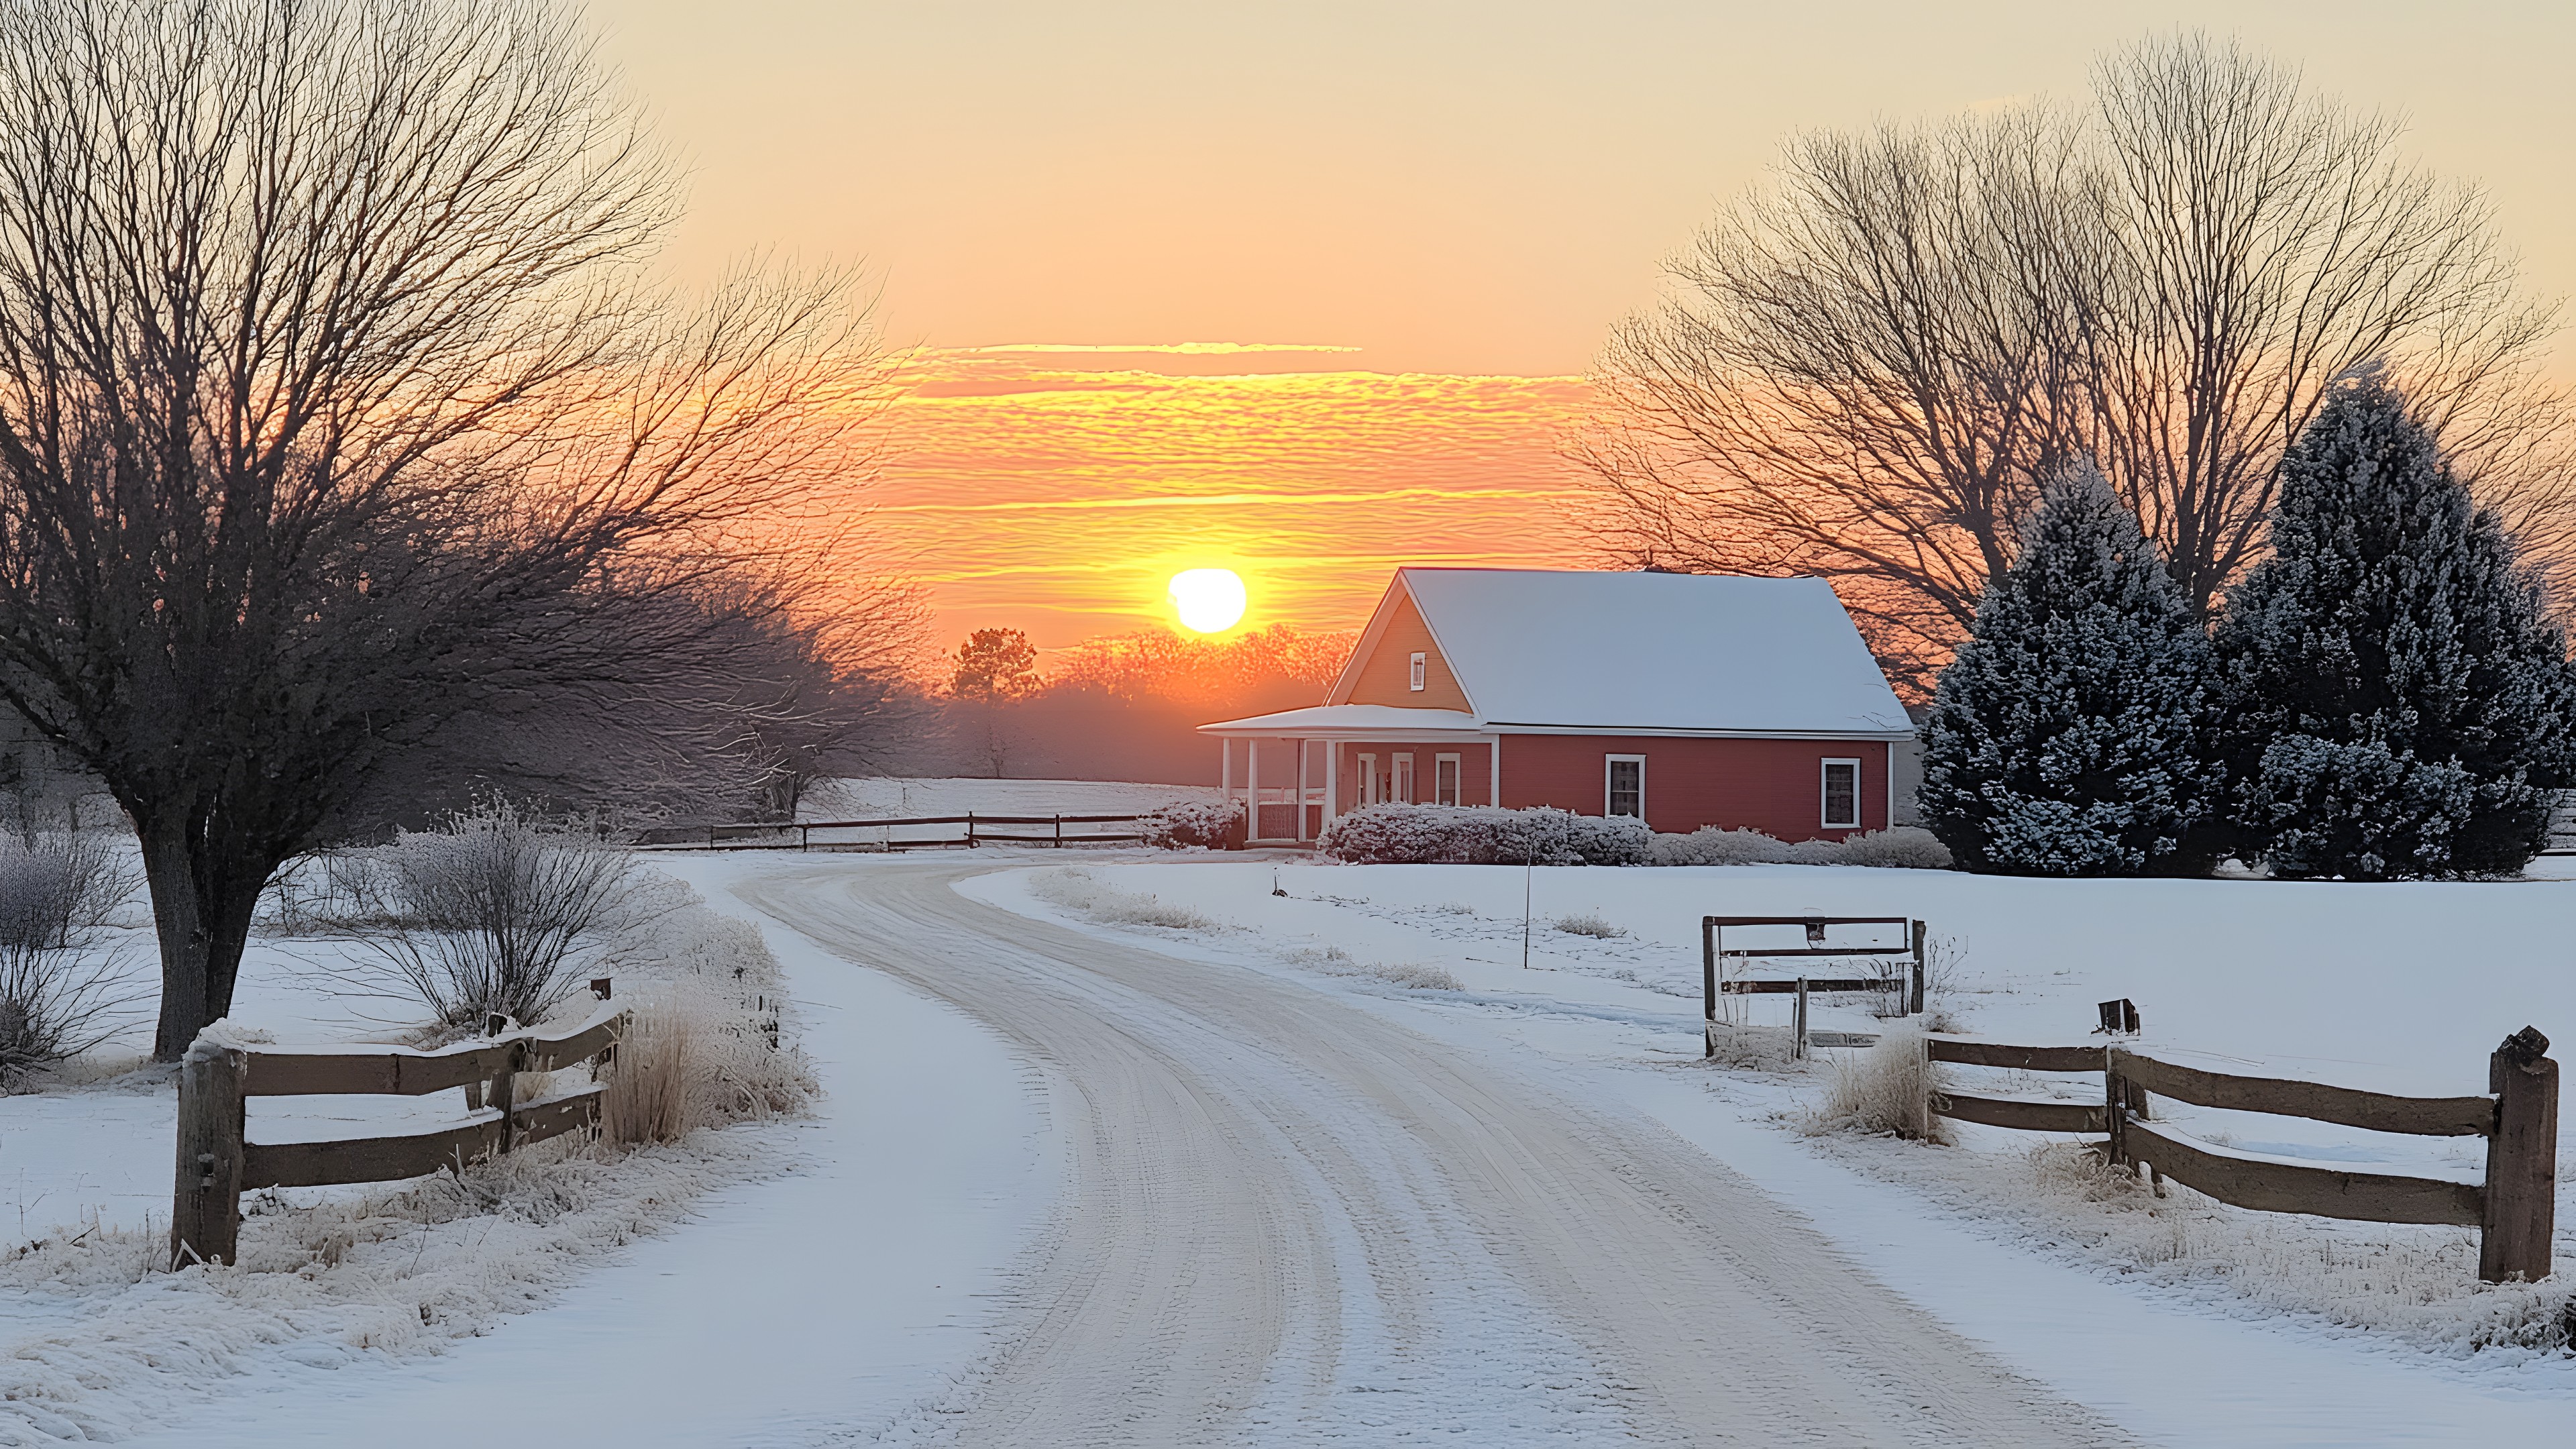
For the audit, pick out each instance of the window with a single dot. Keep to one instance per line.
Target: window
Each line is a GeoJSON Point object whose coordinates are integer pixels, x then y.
{"type": "Point", "coordinates": [1842, 794]}
{"type": "Point", "coordinates": [1624, 786]}
{"type": "Point", "coordinates": [1444, 779]}
{"type": "Point", "coordinates": [1368, 779]}
{"type": "Point", "coordinates": [1403, 778]}
{"type": "Point", "coordinates": [1420, 661]}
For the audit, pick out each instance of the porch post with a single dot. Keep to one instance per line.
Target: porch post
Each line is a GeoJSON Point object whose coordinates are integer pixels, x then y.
{"type": "Point", "coordinates": [1494, 757]}
{"type": "Point", "coordinates": [1301, 788]}
{"type": "Point", "coordinates": [1252, 788]}
{"type": "Point", "coordinates": [1225, 767]}
{"type": "Point", "coordinates": [1332, 779]}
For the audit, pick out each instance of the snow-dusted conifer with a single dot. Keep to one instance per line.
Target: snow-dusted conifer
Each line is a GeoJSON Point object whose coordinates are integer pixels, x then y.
{"type": "Point", "coordinates": [2069, 735]}
{"type": "Point", "coordinates": [2397, 703]}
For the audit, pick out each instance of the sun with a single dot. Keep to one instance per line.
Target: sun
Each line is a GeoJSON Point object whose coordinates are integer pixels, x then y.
{"type": "Point", "coordinates": [1210, 600]}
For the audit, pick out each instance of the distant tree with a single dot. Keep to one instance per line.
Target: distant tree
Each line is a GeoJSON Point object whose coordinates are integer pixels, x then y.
{"type": "Point", "coordinates": [995, 672]}
{"type": "Point", "coordinates": [1862, 371]}
{"type": "Point", "coordinates": [2398, 703]}
{"type": "Point", "coordinates": [2070, 735]}
{"type": "Point", "coordinates": [337, 415]}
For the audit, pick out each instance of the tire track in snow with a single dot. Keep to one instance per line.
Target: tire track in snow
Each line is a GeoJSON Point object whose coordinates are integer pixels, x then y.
{"type": "Point", "coordinates": [1293, 1222]}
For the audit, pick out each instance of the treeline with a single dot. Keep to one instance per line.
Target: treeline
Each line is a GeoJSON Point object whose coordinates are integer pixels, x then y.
{"type": "Point", "coordinates": [1124, 707]}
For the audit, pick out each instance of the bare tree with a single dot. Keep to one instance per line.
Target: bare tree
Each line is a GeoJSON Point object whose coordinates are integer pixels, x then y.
{"type": "Point", "coordinates": [336, 406]}
{"type": "Point", "coordinates": [1861, 370]}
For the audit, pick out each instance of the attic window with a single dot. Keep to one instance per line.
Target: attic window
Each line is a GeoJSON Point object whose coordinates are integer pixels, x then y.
{"type": "Point", "coordinates": [1420, 660]}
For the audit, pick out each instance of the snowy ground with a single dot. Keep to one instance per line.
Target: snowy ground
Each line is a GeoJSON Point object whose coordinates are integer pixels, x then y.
{"type": "Point", "coordinates": [875, 1280]}
{"type": "Point", "coordinates": [2399, 988]}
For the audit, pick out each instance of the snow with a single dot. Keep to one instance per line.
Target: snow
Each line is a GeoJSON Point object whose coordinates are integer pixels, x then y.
{"type": "Point", "coordinates": [2401, 988]}
{"type": "Point", "coordinates": [875, 796]}
{"type": "Point", "coordinates": [1692, 653]}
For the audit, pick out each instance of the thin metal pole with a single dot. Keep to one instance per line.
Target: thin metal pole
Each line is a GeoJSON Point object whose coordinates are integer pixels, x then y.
{"type": "Point", "coordinates": [1708, 982]}
{"type": "Point", "coordinates": [1802, 1019]}
{"type": "Point", "coordinates": [1529, 880]}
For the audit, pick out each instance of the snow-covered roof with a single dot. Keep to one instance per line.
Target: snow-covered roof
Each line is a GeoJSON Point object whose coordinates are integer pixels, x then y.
{"type": "Point", "coordinates": [1716, 653]}
{"type": "Point", "coordinates": [1360, 721]}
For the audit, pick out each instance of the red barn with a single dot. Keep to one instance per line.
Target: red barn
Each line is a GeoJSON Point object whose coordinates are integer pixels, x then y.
{"type": "Point", "coordinates": [1685, 699]}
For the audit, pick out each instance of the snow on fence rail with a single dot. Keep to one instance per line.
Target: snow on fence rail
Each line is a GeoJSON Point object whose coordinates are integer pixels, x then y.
{"type": "Point", "coordinates": [970, 830]}
{"type": "Point", "coordinates": [2514, 1208]}
{"type": "Point", "coordinates": [217, 1163]}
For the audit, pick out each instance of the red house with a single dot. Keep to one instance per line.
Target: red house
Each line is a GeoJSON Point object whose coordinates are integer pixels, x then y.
{"type": "Point", "coordinates": [1686, 699]}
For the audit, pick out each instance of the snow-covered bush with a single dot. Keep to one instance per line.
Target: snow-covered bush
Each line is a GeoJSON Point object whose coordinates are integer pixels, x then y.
{"type": "Point", "coordinates": [1411, 975]}
{"type": "Point", "coordinates": [1402, 834]}
{"type": "Point", "coordinates": [1904, 847]}
{"type": "Point", "coordinates": [2398, 704]}
{"type": "Point", "coordinates": [707, 1045]}
{"type": "Point", "coordinates": [499, 912]}
{"type": "Point", "coordinates": [1210, 824]}
{"type": "Point", "coordinates": [59, 995]}
{"type": "Point", "coordinates": [1885, 1090]}
{"type": "Point", "coordinates": [2070, 734]}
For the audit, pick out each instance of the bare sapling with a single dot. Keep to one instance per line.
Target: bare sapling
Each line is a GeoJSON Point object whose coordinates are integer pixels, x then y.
{"type": "Point", "coordinates": [60, 994]}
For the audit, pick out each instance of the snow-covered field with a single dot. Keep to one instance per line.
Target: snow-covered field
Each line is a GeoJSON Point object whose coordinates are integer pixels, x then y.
{"type": "Point", "coordinates": [872, 797]}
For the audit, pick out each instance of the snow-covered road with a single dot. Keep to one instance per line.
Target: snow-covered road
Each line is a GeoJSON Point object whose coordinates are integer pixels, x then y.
{"type": "Point", "coordinates": [1293, 1221]}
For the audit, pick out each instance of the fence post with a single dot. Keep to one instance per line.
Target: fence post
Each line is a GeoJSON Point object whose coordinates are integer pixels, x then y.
{"type": "Point", "coordinates": [505, 1083]}
{"type": "Point", "coordinates": [1801, 1029]}
{"type": "Point", "coordinates": [1915, 1007]}
{"type": "Point", "coordinates": [2115, 1111]}
{"type": "Point", "coordinates": [1059, 830]}
{"type": "Point", "coordinates": [205, 1203]}
{"type": "Point", "coordinates": [2522, 1162]}
{"type": "Point", "coordinates": [1708, 983]}
{"type": "Point", "coordinates": [970, 830]}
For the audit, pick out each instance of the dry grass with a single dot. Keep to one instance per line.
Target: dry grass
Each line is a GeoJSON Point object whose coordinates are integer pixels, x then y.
{"type": "Point", "coordinates": [1411, 975]}
{"type": "Point", "coordinates": [1589, 923]}
{"type": "Point", "coordinates": [1078, 890]}
{"type": "Point", "coordinates": [1883, 1091]}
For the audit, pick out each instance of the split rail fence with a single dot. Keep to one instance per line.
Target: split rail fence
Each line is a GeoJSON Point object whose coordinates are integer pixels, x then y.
{"type": "Point", "coordinates": [970, 830]}
{"type": "Point", "coordinates": [2514, 1208]}
{"type": "Point", "coordinates": [217, 1163]}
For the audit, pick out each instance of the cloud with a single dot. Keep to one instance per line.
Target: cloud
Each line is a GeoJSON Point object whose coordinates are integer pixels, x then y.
{"type": "Point", "coordinates": [1184, 349]}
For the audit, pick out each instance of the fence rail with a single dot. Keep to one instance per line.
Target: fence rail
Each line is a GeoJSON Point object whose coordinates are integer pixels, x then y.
{"type": "Point", "coordinates": [1715, 954]}
{"type": "Point", "coordinates": [972, 829]}
{"type": "Point", "coordinates": [217, 1162]}
{"type": "Point", "coordinates": [2514, 1208]}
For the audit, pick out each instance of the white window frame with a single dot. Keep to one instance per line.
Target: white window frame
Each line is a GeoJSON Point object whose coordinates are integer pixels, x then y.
{"type": "Point", "coordinates": [1421, 667]}
{"type": "Point", "coordinates": [1368, 779]}
{"type": "Point", "coordinates": [1607, 761]}
{"type": "Point", "coordinates": [1400, 787]}
{"type": "Point", "coordinates": [1825, 793]}
{"type": "Point", "coordinates": [1445, 780]}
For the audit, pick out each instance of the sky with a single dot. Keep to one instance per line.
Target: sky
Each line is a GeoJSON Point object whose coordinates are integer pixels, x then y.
{"type": "Point", "coordinates": [1450, 204]}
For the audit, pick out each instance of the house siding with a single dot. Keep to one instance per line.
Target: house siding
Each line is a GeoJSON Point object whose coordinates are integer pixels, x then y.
{"type": "Point", "coordinates": [1386, 676]}
{"type": "Point", "coordinates": [1774, 786]}
{"type": "Point", "coordinates": [1475, 769]}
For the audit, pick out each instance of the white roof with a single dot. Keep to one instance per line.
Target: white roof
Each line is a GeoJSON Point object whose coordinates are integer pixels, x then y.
{"type": "Point", "coordinates": [1691, 653]}
{"type": "Point", "coordinates": [1359, 721]}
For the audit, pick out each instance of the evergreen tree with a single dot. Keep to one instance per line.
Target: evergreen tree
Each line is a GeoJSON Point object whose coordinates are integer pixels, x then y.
{"type": "Point", "coordinates": [2397, 703]}
{"type": "Point", "coordinates": [2069, 734]}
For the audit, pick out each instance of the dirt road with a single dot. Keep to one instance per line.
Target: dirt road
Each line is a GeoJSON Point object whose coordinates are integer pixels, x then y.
{"type": "Point", "coordinates": [1293, 1222]}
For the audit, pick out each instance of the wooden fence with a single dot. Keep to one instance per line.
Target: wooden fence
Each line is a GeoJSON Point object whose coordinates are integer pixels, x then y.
{"type": "Point", "coordinates": [217, 1163]}
{"type": "Point", "coordinates": [969, 830]}
{"type": "Point", "coordinates": [2514, 1208]}
{"type": "Point", "coordinates": [1715, 953]}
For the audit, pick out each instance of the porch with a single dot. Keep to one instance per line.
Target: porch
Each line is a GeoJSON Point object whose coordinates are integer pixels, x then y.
{"type": "Point", "coordinates": [1296, 770]}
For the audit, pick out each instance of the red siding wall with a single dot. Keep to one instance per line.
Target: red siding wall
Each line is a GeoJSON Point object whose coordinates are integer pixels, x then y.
{"type": "Point", "coordinates": [1475, 771]}
{"type": "Point", "coordinates": [1774, 786]}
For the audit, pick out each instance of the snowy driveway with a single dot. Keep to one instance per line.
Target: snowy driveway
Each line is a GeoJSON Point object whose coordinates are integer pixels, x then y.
{"type": "Point", "coordinates": [1291, 1221]}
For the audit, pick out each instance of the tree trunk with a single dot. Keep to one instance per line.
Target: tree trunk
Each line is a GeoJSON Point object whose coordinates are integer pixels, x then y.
{"type": "Point", "coordinates": [202, 913]}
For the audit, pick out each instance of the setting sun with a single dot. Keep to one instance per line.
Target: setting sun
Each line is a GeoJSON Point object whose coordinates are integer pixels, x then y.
{"type": "Point", "coordinates": [1210, 600]}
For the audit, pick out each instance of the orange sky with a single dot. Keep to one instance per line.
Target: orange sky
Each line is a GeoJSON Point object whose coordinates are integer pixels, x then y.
{"type": "Point", "coordinates": [1057, 492]}
{"type": "Point", "coordinates": [1464, 194]}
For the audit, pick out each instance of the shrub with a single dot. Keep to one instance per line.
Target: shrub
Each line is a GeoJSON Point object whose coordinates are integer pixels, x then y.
{"type": "Point", "coordinates": [1208, 824]}
{"type": "Point", "coordinates": [1904, 847]}
{"type": "Point", "coordinates": [1589, 923]}
{"type": "Point", "coordinates": [1079, 890]}
{"type": "Point", "coordinates": [57, 998]}
{"type": "Point", "coordinates": [498, 912]}
{"type": "Point", "coordinates": [1403, 834]}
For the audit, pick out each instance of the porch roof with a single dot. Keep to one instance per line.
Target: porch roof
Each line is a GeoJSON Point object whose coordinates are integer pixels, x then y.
{"type": "Point", "coordinates": [1350, 721]}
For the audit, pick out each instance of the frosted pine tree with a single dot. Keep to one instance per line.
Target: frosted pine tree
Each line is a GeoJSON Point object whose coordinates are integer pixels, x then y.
{"type": "Point", "coordinates": [2069, 735]}
{"type": "Point", "coordinates": [2397, 703]}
